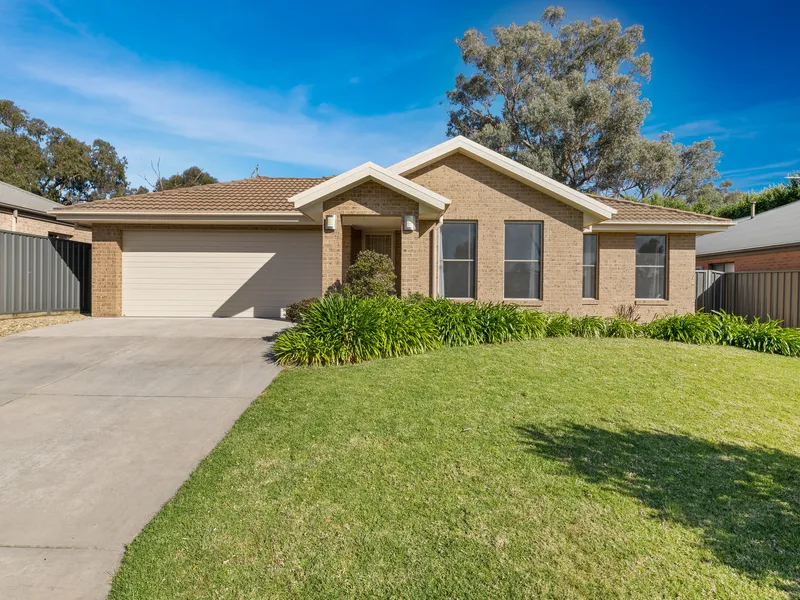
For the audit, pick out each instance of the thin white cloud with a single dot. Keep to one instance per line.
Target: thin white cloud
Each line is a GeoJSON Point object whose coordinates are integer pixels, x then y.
{"type": "Point", "coordinates": [216, 115]}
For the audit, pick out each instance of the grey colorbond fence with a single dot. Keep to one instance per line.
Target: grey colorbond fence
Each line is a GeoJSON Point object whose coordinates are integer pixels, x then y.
{"type": "Point", "coordinates": [41, 274]}
{"type": "Point", "coordinates": [757, 294]}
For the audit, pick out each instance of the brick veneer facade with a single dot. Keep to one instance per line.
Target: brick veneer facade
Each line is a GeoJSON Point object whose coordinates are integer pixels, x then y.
{"type": "Point", "coordinates": [36, 226]}
{"type": "Point", "coordinates": [785, 259]}
{"type": "Point", "coordinates": [477, 193]}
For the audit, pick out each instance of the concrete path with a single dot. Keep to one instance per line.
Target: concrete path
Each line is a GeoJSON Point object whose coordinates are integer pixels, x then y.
{"type": "Point", "coordinates": [100, 423]}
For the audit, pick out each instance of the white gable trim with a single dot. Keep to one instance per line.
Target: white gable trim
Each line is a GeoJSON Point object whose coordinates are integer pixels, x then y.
{"type": "Point", "coordinates": [509, 167]}
{"type": "Point", "coordinates": [433, 202]}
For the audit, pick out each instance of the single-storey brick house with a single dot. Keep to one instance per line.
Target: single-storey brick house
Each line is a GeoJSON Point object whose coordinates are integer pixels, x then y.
{"type": "Point", "coordinates": [458, 220]}
{"type": "Point", "coordinates": [24, 212]}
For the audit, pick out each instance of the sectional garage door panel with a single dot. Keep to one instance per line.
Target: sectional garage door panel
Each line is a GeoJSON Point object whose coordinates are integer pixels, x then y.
{"type": "Point", "coordinates": [182, 273]}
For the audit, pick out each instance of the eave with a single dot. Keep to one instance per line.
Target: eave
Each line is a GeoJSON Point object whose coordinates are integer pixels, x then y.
{"type": "Point", "coordinates": [179, 218]}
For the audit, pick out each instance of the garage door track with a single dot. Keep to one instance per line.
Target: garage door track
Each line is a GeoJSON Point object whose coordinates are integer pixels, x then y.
{"type": "Point", "coordinates": [100, 422]}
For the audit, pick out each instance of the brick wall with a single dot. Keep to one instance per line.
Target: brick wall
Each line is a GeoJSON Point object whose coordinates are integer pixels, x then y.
{"type": "Point", "coordinates": [479, 193]}
{"type": "Point", "coordinates": [776, 260]}
{"type": "Point", "coordinates": [617, 276]}
{"type": "Point", "coordinates": [35, 226]}
{"type": "Point", "coordinates": [373, 199]}
{"type": "Point", "coordinates": [106, 271]}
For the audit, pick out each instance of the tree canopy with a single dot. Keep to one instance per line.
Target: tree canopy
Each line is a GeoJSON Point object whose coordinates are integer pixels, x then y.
{"type": "Point", "coordinates": [566, 100]}
{"type": "Point", "coordinates": [47, 161]}
{"type": "Point", "coordinates": [189, 178]}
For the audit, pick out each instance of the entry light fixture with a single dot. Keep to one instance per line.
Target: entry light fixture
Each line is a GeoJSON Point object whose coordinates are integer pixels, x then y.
{"type": "Point", "coordinates": [409, 223]}
{"type": "Point", "coordinates": [330, 222]}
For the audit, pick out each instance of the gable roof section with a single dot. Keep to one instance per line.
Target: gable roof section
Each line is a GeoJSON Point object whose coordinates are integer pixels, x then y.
{"type": "Point", "coordinates": [638, 216]}
{"type": "Point", "coordinates": [310, 201]}
{"type": "Point", "coordinates": [256, 197]}
{"type": "Point", "coordinates": [509, 167]}
{"type": "Point", "coordinates": [776, 227]}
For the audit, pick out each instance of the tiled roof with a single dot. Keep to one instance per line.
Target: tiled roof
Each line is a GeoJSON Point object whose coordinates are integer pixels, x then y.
{"type": "Point", "coordinates": [257, 194]}
{"type": "Point", "coordinates": [629, 211]}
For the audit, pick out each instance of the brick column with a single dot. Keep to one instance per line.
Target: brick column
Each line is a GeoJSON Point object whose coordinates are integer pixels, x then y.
{"type": "Point", "coordinates": [106, 271]}
{"type": "Point", "coordinates": [412, 259]}
{"type": "Point", "coordinates": [331, 256]}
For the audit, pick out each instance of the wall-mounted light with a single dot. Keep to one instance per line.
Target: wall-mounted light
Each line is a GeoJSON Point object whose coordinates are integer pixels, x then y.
{"type": "Point", "coordinates": [330, 222]}
{"type": "Point", "coordinates": [409, 223]}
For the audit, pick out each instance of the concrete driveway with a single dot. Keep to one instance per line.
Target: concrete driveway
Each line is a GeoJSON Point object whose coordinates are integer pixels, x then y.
{"type": "Point", "coordinates": [100, 422]}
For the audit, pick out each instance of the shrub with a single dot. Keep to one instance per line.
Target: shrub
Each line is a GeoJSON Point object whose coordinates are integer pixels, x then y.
{"type": "Point", "coordinates": [500, 323]}
{"type": "Point", "coordinates": [295, 311]}
{"type": "Point", "coordinates": [456, 323]}
{"type": "Point", "coordinates": [534, 324]}
{"type": "Point", "coordinates": [405, 328]}
{"type": "Point", "coordinates": [620, 327]}
{"type": "Point", "coordinates": [335, 329]}
{"type": "Point", "coordinates": [589, 327]}
{"type": "Point", "coordinates": [629, 312]}
{"type": "Point", "coordinates": [559, 325]}
{"type": "Point", "coordinates": [693, 328]}
{"type": "Point", "coordinates": [370, 276]}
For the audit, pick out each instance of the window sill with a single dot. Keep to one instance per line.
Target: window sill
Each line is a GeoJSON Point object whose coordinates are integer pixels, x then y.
{"type": "Point", "coordinates": [523, 301]}
{"type": "Point", "coordinates": [651, 302]}
{"type": "Point", "coordinates": [590, 301]}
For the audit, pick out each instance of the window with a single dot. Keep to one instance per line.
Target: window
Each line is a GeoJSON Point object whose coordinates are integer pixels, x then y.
{"type": "Point", "coordinates": [651, 266]}
{"type": "Point", "coordinates": [457, 260]}
{"type": "Point", "coordinates": [590, 266]}
{"type": "Point", "coordinates": [523, 261]}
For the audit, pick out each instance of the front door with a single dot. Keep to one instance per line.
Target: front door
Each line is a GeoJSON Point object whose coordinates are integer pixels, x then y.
{"type": "Point", "coordinates": [382, 243]}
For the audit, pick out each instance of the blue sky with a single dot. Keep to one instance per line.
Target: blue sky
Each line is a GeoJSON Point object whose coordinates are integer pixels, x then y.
{"type": "Point", "coordinates": [311, 88]}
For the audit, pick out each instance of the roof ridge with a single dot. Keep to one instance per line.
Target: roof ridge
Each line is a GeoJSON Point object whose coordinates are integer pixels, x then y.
{"type": "Point", "coordinates": [658, 207]}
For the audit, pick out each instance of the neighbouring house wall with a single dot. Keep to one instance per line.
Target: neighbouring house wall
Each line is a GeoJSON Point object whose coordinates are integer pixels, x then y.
{"type": "Point", "coordinates": [42, 226]}
{"type": "Point", "coordinates": [768, 260]}
{"type": "Point", "coordinates": [616, 272]}
{"type": "Point", "coordinates": [373, 199]}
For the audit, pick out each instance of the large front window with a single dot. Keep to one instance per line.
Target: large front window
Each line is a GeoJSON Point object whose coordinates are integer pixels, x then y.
{"type": "Point", "coordinates": [651, 266]}
{"type": "Point", "coordinates": [457, 260]}
{"type": "Point", "coordinates": [523, 261]}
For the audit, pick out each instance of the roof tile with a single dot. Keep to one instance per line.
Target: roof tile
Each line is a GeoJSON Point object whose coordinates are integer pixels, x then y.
{"type": "Point", "coordinates": [630, 211]}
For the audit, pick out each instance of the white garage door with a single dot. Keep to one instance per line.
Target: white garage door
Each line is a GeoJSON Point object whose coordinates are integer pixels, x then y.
{"type": "Point", "coordinates": [181, 273]}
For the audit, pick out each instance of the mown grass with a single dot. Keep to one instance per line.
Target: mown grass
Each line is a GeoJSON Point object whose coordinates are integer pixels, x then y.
{"type": "Point", "coordinates": [555, 468]}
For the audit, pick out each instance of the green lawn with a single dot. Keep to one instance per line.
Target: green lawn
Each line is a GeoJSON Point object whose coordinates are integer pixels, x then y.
{"type": "Point", "coordinates": [557, 468]}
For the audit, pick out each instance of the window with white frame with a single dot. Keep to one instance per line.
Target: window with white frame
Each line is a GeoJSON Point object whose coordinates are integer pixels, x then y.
{"type": "Point", "coordinates": [457, 243]}
{"type": "Point", "coordinates": [590, 266]}
{"type": "Point", "coordinates": [523, 260]}
{"type": "Point", "coordinates": [651, 266]}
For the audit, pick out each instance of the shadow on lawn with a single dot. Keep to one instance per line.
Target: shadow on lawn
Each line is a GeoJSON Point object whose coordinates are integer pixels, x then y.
{"type": "Point", "coordinates": [745, 500]}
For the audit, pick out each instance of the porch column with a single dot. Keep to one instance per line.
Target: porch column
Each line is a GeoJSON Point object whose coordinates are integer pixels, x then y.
{"type": "Point", "coordinates": [332, 249]}
{"type": "Point", "coordinates": [413, 260]}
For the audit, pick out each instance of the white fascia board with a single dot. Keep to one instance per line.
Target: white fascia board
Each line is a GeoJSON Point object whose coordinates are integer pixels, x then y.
{"type": "Point", "coordinates": [208, 218]}
{"type": "Point", "coordinates": [369, 172]}
{"type": "Point", "coordinates": [509, 167]}
{"type": "Point", "coordinates": [666, 227]}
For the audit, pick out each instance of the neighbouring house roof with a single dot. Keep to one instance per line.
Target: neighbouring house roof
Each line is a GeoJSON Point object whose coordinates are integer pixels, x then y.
{"type": "Point", "coordinates": [16, 198]}
{"type": "Point", "coordinates": [509, 167]}
{"type": "Point", "coordinates": [773, 228]}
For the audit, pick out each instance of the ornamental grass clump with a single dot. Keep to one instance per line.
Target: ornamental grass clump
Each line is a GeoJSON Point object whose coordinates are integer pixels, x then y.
{"type": "Point", "coordinates": [589, 327]}
{"type": "Point", "coordinates": [620, 327]}
{"type": "Point", "coordinates": [693, 328]}
{"type": "Point", "coordinates": [456, 323]}
{"type": "Point", "coordinates": [500, 323]}
{"type": "Point", "coordinates": [559, 325]}
{"type": "Point", "coordinates": [405, 328]}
